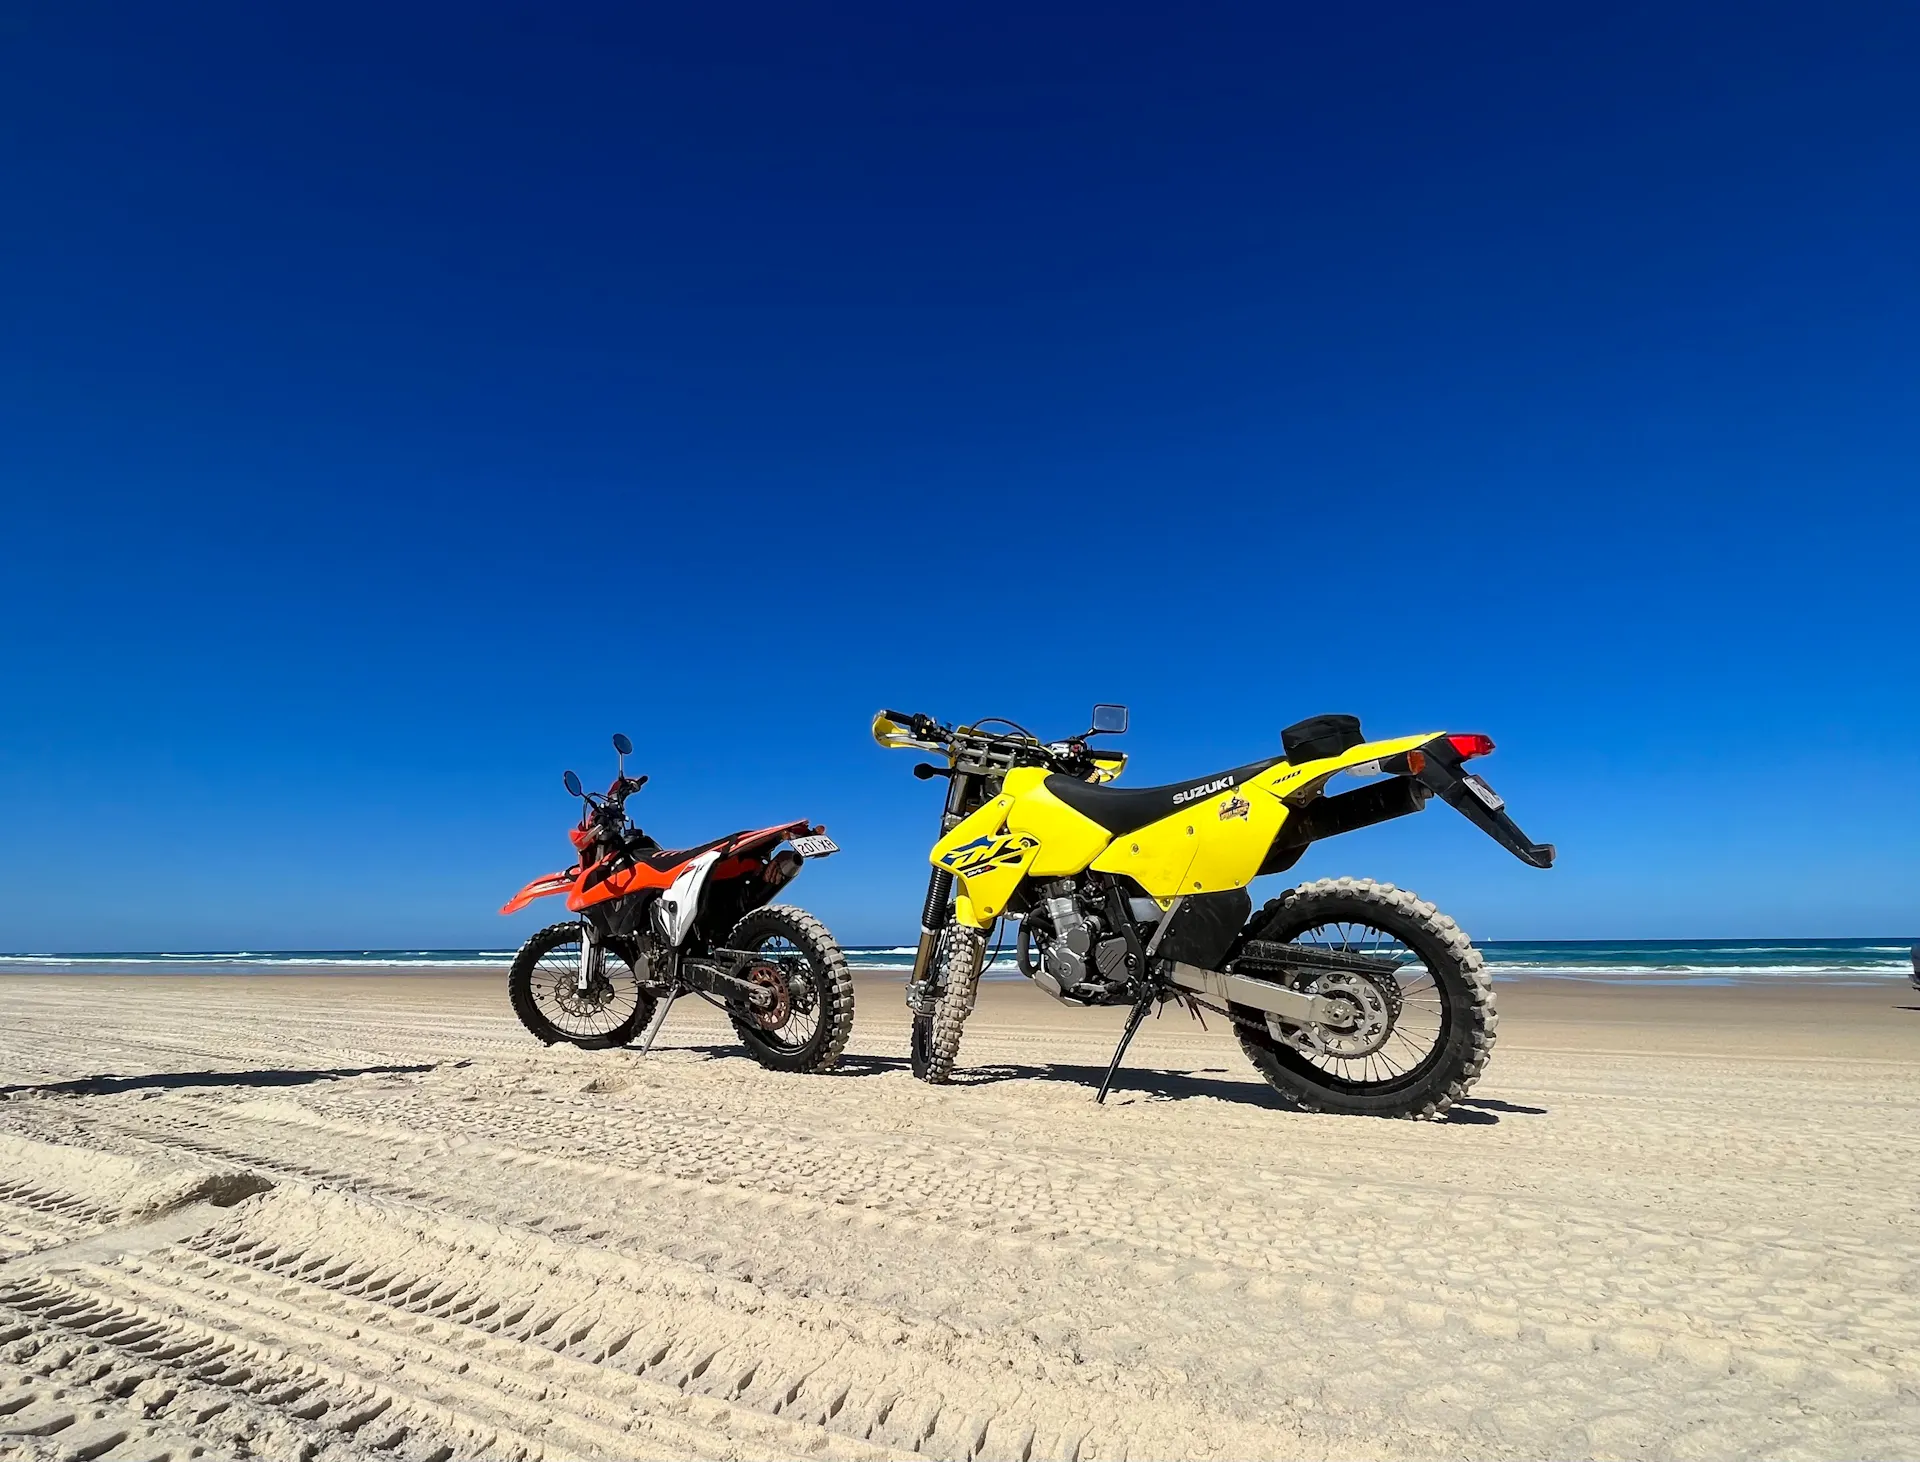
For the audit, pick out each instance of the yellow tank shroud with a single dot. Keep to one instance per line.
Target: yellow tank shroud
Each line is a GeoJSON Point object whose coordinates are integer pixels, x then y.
{"type": "Point", "coordinates": [1207, 836]}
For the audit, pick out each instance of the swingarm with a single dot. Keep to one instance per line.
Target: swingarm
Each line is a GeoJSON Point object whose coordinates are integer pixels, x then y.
{"type": "Point", "coordinates": [721, 977]}
{"type": "Point", "coordinates": [1292, 1006]}
{"type": "Point", "coordinates": [1291, 1014]}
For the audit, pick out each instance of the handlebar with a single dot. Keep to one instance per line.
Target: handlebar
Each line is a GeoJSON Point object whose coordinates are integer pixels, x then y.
{"type": "Point", "coordinates": [610, 806]}
{"type": "Point", "coordinates": [921, 728]}
{"type": "Point", "coordinates": [977, 751]}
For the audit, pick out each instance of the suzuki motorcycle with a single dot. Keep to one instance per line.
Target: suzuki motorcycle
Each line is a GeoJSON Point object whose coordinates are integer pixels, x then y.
{"type": "Point", "coordinates": [655, 924]}
{"type": "Point", "coordinates": [1347, 995]}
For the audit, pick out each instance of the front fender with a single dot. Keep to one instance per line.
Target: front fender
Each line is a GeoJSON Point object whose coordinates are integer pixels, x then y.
{"type": "Point", "coordinates": [541, 887]}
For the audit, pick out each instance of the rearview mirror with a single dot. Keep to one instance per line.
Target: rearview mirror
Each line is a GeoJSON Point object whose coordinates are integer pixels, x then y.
{"type": "Point", "coordinates": [1110, 720]}
{"type": "Point", "coordinates": [572, 784]}
{"type": "Point", "coordinates": [622, 745]}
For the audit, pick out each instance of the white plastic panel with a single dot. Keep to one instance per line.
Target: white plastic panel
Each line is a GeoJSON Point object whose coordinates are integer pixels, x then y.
{"type": "Point", "coordinates": [677, 907]}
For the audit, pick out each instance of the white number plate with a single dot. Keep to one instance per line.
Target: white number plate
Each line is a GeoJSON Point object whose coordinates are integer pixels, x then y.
{"type": "Point", "coordinates": [1485, 793]}
{"type": "Point", "coordinates": [817, 847]}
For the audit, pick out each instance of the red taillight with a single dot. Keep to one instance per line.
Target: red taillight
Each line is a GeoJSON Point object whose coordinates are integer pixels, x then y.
{"type": "Point", "coordinates": [1472, 743]}
{"type": "Point", "coordinates": [1416, 763]}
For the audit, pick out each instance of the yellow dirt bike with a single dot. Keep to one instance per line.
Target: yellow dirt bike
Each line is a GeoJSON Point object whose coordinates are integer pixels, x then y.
{"type": "Point", "coordinates": [1347, 995]}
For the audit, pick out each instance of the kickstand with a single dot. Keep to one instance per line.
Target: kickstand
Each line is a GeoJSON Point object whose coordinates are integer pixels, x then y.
{"type": "Point", "coordinates": [1138, 1014]}
{"type": "Point", "coordinates": [659, 1020]}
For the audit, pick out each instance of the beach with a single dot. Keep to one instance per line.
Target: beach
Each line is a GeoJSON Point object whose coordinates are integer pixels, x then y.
{"type": "Point", "coordinates": [344, 1215]}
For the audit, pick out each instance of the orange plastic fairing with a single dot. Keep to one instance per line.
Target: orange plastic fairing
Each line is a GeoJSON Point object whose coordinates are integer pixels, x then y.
{"type": "Point", "coordinates": [540, 888]}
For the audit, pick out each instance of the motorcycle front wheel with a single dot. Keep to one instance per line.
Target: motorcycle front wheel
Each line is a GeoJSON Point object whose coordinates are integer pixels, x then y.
{"type": "Point", "coordinates": [544, 986]}
{"type": "Point", "coordinates": [935, 1042]}
{"type": "Point", "coordinates": [1423, 1035]}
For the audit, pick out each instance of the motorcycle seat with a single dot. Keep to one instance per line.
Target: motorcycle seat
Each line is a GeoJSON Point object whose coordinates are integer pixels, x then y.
{"type": "Point", "coordinates": [665, 858]}
{"type": "Point", "coordinates": [1124, 809]}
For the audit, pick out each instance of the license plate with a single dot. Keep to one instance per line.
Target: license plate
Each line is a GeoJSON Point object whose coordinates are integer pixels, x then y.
{"type": "Point", "coordinates": [1485, 793]}
{"type": "Point", "coordinates": [815, 847]}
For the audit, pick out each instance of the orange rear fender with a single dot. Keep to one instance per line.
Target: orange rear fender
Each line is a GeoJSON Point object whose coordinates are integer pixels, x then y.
{"type": "Point", "coordinates": [550, 883]}
{"type": "Point", "coordinates": [740, 842]}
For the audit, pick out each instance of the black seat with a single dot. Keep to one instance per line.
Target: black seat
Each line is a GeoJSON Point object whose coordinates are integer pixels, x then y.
{"type": "Point", "coordinates": [1122, 809]}
{"type": "Point", "coordinates": [665, 858]}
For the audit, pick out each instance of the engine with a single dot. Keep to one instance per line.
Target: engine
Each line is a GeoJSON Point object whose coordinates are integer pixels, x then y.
{"type": "Point", "coordinates": [1081, 959]}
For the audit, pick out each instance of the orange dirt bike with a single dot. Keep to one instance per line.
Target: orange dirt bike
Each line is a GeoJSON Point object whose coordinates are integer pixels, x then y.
{"type": "Point", "coordinates": [655, 924]}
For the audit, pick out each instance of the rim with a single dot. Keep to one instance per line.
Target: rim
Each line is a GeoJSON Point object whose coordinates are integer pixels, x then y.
{"type": "Point", "coordinates": [1418, 1005]}
{"type": "Point", "coordinates": [612, 999]}
{"type": "Point", "coordinates": [796, 966]}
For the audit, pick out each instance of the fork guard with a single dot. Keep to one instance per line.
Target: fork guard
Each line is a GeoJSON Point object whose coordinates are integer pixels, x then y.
{"type": "Point", "coordinates": [1443, 775]}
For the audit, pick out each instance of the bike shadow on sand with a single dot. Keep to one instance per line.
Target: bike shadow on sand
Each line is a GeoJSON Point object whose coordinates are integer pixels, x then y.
{"type": "Point", "coordinates": [109, 1084]}
{"type": "Point", "coordinates": [1135, 1081]}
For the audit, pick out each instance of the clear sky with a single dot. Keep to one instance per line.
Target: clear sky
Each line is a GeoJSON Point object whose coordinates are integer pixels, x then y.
{"type": "Point", "coordinates": [395, 401]}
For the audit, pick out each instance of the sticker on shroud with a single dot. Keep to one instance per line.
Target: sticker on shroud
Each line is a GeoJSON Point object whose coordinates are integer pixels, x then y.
{"type": "Point", "coordinates": [1235, 807]}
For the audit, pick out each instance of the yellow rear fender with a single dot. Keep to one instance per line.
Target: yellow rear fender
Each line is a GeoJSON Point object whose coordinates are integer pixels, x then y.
{"type": "Point", "coordinates": [1292, 783]}
{"type": "Point", "coordinates": [1217, 844]}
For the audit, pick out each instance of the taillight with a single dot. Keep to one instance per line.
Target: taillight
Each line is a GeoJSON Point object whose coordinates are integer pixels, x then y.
{"type": "Point", "coordinates": [1472, 743]}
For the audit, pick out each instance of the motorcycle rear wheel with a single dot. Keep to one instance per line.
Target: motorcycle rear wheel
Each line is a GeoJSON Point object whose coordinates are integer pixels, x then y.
{"type": "Point", "coordinates": [817, 1015]}
{"type": "Point", "coordinates": [1443, 985]}
{"type": "Point", "coordinates": [542, 983]}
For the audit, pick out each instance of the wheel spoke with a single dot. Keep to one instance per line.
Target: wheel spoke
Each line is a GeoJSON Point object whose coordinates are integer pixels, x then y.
{"type": "Point", "coordinates": [611, 1000]}
{"type": "Point", "coordinates": [806, 999]}
{"type": "Point", "coordinates": [1416, 1014]}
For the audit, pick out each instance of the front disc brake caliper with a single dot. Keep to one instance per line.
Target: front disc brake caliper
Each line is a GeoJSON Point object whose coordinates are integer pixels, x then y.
{"type": "Point", "coordinates": [922, 997]}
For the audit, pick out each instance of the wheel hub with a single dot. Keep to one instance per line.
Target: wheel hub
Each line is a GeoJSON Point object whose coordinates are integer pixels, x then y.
{"type": "Point", "coordinates": [773, 1013]}
{"type": "Point", "coordinates": [591, 1001]}
{"type": "Point", "coordinates": [1364, 1016]}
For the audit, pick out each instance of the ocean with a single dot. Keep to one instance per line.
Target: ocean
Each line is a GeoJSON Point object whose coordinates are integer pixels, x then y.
{"type": "Point", "coordinates": [1631, 961]}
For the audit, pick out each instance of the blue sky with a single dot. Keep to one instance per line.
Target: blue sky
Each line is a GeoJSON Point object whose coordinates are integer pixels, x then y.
{"type": "Point", "coordinates": [396, 401]}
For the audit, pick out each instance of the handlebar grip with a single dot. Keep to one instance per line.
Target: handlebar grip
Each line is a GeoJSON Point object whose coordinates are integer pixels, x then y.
{"type": "Point", "coordinates": [898, 715]}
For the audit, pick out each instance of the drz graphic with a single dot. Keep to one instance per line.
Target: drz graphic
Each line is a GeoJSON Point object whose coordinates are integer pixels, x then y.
{"type": "Point", "coordinates": [655, 924]}
{"type": "Point", "coordinates": [1347, 995]}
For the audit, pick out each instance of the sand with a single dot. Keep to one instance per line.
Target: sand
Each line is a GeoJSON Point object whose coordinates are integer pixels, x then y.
{"type": "Point", "coordinates": [365, 1216]}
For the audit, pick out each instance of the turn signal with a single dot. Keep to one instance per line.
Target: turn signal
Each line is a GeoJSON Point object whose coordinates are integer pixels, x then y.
{"type": "Point", "coordinates": [1472, 743]}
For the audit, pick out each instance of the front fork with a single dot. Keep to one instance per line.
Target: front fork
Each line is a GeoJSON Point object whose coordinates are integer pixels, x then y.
{"type": "Point", "coordinates": [591, 956]}
{"type": "Point", "coordinates": [933, 915]}
{"type": "Point", "coordinates": [933, 918]}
